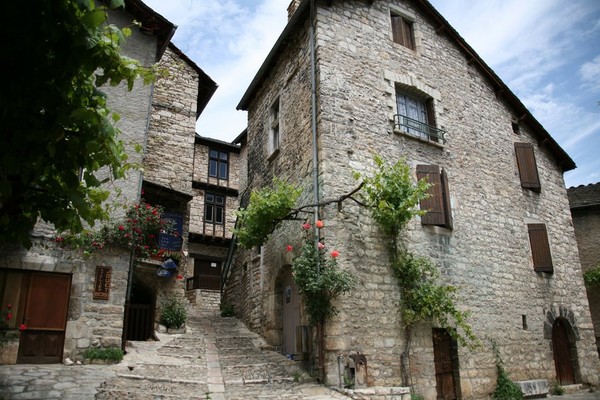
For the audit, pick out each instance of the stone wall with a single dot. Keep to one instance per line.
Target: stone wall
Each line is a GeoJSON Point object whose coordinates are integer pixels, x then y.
{"type": "Point", "coordinates": [90, 322]}
{"type": "Point", "coordinates": [487, 255]}
{"type": "Point", "coordinates": [170, 147]}
{"type": "Point", "coordinates": [585, 208]}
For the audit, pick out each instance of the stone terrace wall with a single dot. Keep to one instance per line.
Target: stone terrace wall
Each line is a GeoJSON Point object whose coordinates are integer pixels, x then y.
{"type": "Point", "coordinates": [170, 149]}
{"type": "Point", "coordinates": [487, 254]}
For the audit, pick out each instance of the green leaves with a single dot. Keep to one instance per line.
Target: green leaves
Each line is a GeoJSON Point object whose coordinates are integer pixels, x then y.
{"type": "Point", "coordinates": [592, 276]}
{"type": "Point", "coordinates": [55, 120]}
{"type": "Point", "coordinates": [267, 208]}
{"type": "Point", "coordinates": [392, 196]}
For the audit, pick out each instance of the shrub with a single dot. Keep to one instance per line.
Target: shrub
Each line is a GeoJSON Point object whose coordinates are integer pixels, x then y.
{"type": "Point", "coordinates": [173, 313]}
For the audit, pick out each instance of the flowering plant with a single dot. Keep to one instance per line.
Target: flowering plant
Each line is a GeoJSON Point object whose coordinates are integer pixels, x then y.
{"type": "Point", "coordinates": [138, 231]}
{"type": "Point", "coordinates": [316, 272]}
{"type": "Point", "coordinates": [6, 333]}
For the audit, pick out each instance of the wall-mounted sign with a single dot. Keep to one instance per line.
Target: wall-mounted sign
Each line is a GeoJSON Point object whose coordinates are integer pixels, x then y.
{"type": "Point", "coordinates": [102, 282]}
{"type": "Point", "coordinates": [172, 240]}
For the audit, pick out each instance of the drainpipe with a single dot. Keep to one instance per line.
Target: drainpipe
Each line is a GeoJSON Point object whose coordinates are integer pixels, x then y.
{"type": "Point", "coordinates": [314, 123]}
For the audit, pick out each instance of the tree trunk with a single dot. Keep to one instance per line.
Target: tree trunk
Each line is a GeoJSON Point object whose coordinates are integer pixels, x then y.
{"type": "Point", "coordinates": [321, 351]}
{"type": "Point", "coordinates": [405, 357]}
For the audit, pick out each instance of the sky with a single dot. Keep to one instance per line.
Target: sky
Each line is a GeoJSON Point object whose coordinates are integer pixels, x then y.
{"type": "Point", "coordinates": [546, 51]}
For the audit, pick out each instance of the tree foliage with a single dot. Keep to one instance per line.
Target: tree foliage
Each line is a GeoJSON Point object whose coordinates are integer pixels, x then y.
{"type": "Point", "coordinates": [592, 276]}
{"type": "Point", "coordinates": [57, 130]}
{"type": "Point", "coordinates": [267, 208]}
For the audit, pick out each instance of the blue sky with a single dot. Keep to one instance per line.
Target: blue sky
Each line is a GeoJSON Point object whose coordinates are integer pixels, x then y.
{"type": "Point", "coordinates": [546, 51]}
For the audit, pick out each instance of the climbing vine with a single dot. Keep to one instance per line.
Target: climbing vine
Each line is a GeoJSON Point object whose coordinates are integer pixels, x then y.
{"type": "Point", "coordinates": [392, 197]}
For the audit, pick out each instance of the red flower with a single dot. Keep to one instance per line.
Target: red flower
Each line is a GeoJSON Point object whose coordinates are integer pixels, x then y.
{"type": "Point", "coordinates": [121, 228]}
{"type": "Point", "coordinates": [9, 306]}
{"type": "Point", "coordinates": [179, 277]}
{"type": "Point", "coordinates": [289, 248]}
{"type": "Point", "coordinates": [148, 206]}
{"type": "Point", "coordinates": [22, 327]}
{"type": "Point", "coordinates": [335, 253]}
{"type": "Point", "coordinates": [306, 226]}
{"type": "Point", "coordinates": [8, 316]}
{"type": "Point", "coordinates": [319, 224]}
{"type": "Point", "coordinates": [320, 245]}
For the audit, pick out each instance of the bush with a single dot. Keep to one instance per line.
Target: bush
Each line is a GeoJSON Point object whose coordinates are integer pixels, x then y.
{"type": "Point", "coordinates": [173, 313]}
{"type": "Point", "coordinates": [109, 353]}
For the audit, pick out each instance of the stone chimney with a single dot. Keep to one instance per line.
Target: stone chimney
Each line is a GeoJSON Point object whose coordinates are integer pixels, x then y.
{"type": "Point", "coordinates": [292, 8]}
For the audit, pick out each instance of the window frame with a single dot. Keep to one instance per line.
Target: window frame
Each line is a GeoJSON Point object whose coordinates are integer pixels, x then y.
{"type": "Point", "coordinates": [438, 204]}
{"type": "Point", "coordinates": [219, 162]}
{"type": "Point", "coordinates": [527, 165]}
{"type": "Point", "coordinates": [424, 125]}
{"type": "Point", "coordinates": [540, 248]}
{"type": "Point", "coordinates": [214, 206]}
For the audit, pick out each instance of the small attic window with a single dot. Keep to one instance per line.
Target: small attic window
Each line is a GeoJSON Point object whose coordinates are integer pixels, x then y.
{"type": "Point", "coordinates": [516, 128]}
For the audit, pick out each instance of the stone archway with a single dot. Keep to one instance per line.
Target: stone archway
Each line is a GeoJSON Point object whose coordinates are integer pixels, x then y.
{"type": "Point", "coordinates": [564, 350]}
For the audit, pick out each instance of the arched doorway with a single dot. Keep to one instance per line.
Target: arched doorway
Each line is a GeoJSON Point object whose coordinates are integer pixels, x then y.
{"type": "Point", "coordinates": [564, 350]}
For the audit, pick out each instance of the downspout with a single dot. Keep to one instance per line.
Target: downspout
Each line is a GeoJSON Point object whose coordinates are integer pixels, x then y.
{"type": "Point", "coordinates": [311, 28]}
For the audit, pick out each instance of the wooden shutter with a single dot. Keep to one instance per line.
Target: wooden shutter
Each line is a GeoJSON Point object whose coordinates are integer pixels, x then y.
{"type": "Point", "coordinates": [402, 31]}
{"type": "Point", "coordinates": [527, 166]}
{"type": "Point", "coordinates": [446, 200]}
{"type": "Point", "coordinates": [434, 203]}
{"type": "Point", "coordinates": [540, 248]}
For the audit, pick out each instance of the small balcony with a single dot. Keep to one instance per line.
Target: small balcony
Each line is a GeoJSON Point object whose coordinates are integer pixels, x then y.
{"type": "Point", "coordinates": [419, 129]}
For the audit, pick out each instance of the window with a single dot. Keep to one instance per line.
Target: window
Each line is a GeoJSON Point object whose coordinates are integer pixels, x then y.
{"type": "Point", "coordinates": [274, 134]}
{"type": "Point", "coordinates": [214, 208]}
{"type": "Point", "coordinates": [540, 248]}
{"type": "Point", "coordinates": [527, 166]}
{"type": "Point", "coordinates": [416, 117]}
{"type": "Point", "coordinates": [218, 164]}
{"type": "Point", "coordinates": [402, 31]}
{"type": "Point", "coordinates": [438, 203]}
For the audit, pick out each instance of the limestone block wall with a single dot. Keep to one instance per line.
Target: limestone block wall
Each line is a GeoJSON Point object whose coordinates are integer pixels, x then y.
{"type": "Point", "coordinates": [90, 322]}
{"type": "Point", "coordinates": [487, 254]}
{"type": "Point", "coordinates": [170, 147]}
{"type": "Point", "coordinates": [201, 168]}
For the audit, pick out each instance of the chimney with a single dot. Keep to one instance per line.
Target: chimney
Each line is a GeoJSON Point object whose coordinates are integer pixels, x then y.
{"type": "Point", "coordinates": [292, 8]}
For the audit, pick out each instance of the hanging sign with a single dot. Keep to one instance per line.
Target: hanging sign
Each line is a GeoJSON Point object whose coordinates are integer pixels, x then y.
{"type": "Point", "coordinates": [102, 282]}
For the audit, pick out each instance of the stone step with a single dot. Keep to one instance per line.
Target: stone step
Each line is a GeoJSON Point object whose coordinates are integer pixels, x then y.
{"type": "Point", "coordinates": [132, 387]}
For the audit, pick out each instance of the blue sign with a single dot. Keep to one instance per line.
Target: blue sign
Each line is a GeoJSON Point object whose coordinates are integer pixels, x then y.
{"type": "Point", "coordinates": [172, 240]}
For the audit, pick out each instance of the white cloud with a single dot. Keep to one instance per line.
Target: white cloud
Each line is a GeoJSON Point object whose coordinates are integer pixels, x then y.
{"type": "Point", "coordinates": [590, 74]}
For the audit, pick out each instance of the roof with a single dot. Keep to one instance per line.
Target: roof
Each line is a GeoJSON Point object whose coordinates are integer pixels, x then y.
{"type": "Point", "coordinates": [584, 196]}
{"type": "Point", "coordinates": [153, 23]}
{"type": "Point", "coordinates": [241, 138]}
{"type": "Point", "coordinates": [443, 27]}
{"type": "Point", "coordinates": [217, 143]}
{"type": "Point", "coordinates": [206, 86]}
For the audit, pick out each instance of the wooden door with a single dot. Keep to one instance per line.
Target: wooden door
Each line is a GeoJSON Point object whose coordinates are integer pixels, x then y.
{"type": "Point", "coordinates": [45, 316]}
{"type": "Point", "coordinates": [207, 274]}
{"type": "Point", "coordinates": [444, 355]}
{"type": "Point", "coordinates": [561, 346]}
{"type": "Point", "coordinates": [291, 314]}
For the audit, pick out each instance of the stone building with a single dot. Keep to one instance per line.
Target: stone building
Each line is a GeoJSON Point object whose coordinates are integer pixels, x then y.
{"type": "Point", "coordinates": [585, 209]}
{"type": "Point", "coordinates": [70, 303]}
{"type": "Point", "coordinates": [394, 78]}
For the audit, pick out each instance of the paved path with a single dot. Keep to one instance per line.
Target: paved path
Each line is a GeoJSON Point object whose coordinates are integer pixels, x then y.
{"type": "Point", "coordinates": [218, 359]}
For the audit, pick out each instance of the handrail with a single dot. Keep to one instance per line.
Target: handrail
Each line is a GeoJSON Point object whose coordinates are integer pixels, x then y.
{"type": "Point", "coordinates": [418, 128]}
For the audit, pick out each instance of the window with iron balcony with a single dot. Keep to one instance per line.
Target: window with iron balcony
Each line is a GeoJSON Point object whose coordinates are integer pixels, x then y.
{"type": "Point", "coordinates": [415, 116]}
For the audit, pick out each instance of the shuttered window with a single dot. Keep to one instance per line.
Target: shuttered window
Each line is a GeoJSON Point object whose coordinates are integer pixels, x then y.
{"type": "Point", "coordinates": [527, 166]}
{"type": "Point", "coordinates": [402, 31]}
{"type": "Point", "coordinates": [540, 248]}
{"type": "Point", "coordinates": [438, 203]}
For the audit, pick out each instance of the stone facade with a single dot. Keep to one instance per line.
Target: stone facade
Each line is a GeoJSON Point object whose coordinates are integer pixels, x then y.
{"type": "Point", "coordinates": [585, 209]}
{"type": "Point", "coordinates": [487, 254]}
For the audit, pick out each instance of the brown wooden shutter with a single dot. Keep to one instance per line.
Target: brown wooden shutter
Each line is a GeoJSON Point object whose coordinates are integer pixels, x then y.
{"type": "Point", "coordinates": [540, 248]}
{"type": "Point", "coordinates": [434, 204]}
{"type": "Point", "coordinates": [527, 166]}
{"type": "Point", "coordinates": [397, 29]}
{"type": "Point", "coordinates": [402, 31]}
{"type": "Point", "coordinates": [446, 200]}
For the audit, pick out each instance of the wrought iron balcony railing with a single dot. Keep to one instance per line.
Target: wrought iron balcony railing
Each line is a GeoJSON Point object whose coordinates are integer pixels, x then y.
{"type": "Point", "coordinates": [419, 129]}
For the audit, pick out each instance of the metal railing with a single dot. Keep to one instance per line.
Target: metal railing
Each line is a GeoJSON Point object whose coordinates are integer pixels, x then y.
{"type": "Point", "coordinates": [419, 129]}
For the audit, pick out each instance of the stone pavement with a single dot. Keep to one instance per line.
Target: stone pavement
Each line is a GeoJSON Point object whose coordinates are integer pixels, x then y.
{"type": "Point", "coordinates": [217, 358]}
